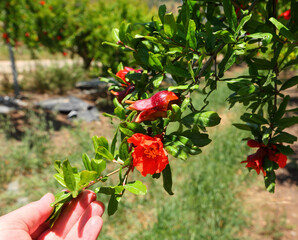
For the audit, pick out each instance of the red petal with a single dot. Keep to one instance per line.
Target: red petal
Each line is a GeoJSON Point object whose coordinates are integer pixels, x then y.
{"type": "Point", "coordinates": [282, 160]}
{"type": "Point", "coordinates": [253, 143]}
{"type": "Point", "coordinates": [150, 115]}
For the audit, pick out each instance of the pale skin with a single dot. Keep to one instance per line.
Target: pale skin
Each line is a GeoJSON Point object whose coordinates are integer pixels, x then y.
{"type": "Point", "coordinates": [81, 219]}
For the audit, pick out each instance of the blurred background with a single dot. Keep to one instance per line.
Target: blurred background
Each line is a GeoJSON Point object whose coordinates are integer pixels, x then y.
{"type": "Point", "coordinates": [51, 104]}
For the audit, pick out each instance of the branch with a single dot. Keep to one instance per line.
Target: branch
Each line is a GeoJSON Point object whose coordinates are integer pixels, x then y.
{"type": "Point", "coordinates": [209, 61]}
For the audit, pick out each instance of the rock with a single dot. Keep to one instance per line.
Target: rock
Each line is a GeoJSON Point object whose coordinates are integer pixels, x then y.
{"type": "Point", "coordinates": [8, 104]}
{"type": "Point", "coordinates": [74, 107]}
{"type": "Point", "coordinates": [93, 84]}
{"type": "Point", "coordinates": [13, 186]}
{"type": "Point", "coordinates": [64, 104]}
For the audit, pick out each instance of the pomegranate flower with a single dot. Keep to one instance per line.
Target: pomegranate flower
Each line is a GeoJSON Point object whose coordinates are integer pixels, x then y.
{"type": "Point", "coordinates": [128, 86]}
{"type": "Point", "coordinates": [122, 73]}
{"type": "Point", "coordinates": [286, 15]}
{"type": "Point", "coordinates": [149, 156]}
{"type": "Point", "coordinates": [255, 161]}
{"type": "Point", "coordinates": [154, 107]}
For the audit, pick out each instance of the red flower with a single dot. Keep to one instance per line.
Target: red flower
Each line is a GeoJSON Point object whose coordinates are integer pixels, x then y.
{"type": "Point", "coordinates": [122, 73]}
{"type": "Point", "coordinates": [27, 34]}
{"type": "Point", "coordinates": [286, 15]}
{"type": "Point", "coordinates": [42, 3]}
{"type": "Point", "coordinates": [5, 35]}
{"type": "Point", "coordinates": [122, 94]}
{"type": "Point", "coordinates": [149, 156]}
{"type": "Point", "coordinates": [59, 38]}
{"type": "Point", "coordinates": [64, 54]}
{"type": "Point", "coordinates": [153, 107]}
{"type": "Point", "coordinates": [255, 161]}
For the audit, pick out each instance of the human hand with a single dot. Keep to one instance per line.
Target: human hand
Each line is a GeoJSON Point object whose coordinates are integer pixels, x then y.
{"type": "Point", "coordinates": [81, 219]}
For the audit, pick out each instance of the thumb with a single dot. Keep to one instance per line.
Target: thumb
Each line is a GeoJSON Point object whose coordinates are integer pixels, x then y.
{"type": "Point", "coordinates": [33, 214]}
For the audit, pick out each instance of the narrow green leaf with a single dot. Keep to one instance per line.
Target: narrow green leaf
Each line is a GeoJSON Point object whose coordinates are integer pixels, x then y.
{"type": "Point", "coordinates": [102, 151]}
{"type": "Point", "coordinates": [136, 187]}
{"type": "Point", "coordinates": [202, 119]}
{"type": "Point", "coordinates": [161, 12]}
{"type": "Point", "coordinates": [69, 178]}
{"type": "Point", "coordinates": [225, 35]}
{"type": "Point", "coordinates": [269, 180]}
{"type": "Point", "coordinates": [227, 61]}
{"type": "Point", "coordinates": [284, 137]}
{"type": "Point", "coordinates": [230, 14]}
{"type": "Point", "coordinates": [123, 150]}
{"type": "Point", "coordinates": [191, 35]}
{"type": "Point", "coordinates": [85, 178]}
{"type": "Point", "coordinates": [113, 205]}
{"type": "Point", "coordinates": [253, 118]}
{"type": "Point", "coordinates": [120, 112]}
{"type": "Point", "coordinates": [61, 197]}
{"type": "Point", "coordinates": [282, 109]}
{"type": "Point", "coordinates": [157, 79]}
{"type": "Point", "coordinates": [242, 126]}
{"type": "Point", "coordinates": [154, 62]}
{"type": "Point", "coordinates": [290, 83]}
{"type": "Point", "coordinates": [60, 179]}
{"type": "Point", "coordinates": [98, 165]}
{"type": "Point", "coordinates": [242, 23]}
{"type": "Point", "coordinates": [114, 141]}
{"type": "Point", "coordinates": [286, 150]}
{"type": "Point", "coordinates": [170, 27]}
{"type": "Point", "coordinates": [87, 161]}
{"type": "Point", "coordinates": [283, 30]}
{"type": "Point", "coordinates": [167, 179]}
{"type": "Point", "coordinates": [287, 122]}
{"type": "Point", "coordinates": [115, 34]}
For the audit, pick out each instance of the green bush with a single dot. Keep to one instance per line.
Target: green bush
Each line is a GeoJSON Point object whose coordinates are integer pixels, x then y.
{"type": "Point", "coordinates": [53, 79]}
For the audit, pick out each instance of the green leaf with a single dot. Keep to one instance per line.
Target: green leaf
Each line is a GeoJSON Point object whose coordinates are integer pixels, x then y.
{"type": "Point", "coordinates": [98, 165]}
{"type": "Point", "coordinates": [283, 30]}
{"type": "Point", "coordinates": [85, 178]}
{"type": "Point", "coordinates": [177, 70]}
{"type": "Point", "coordinates": [262, 64]}
{"type": "Point", "coordinates": [136, 187]}
{"type": "Point", "coordinates": [284, 137]}
{"type": "Point", "coordinates": [177, 152]}
{"type": "Point", "coordinates": [242, 126]}
{"type": "Point", "coordinates": [157, 79]}
{"type": "Point", "coordinates": [100, 141]}
{"type": "Point", "coordinates": [197, 138]}
{"type": "Point", "coordinates": [191, 35]}
{"type": "Point", "coordinates": [227, 61]}
{"type": "Point", "coordinates": [266, 135]}
{"type": "Point", "coordinates": [126, 131]}
{"type": "Point", "coordinates": [133, 126]}
{"type": "Point", "coordinates": [105, 190]}
{"type": "Point", "coordinates": [287, 122]}
{"type": "Point", "coordinates": [202, 119]}
{"type": "Point", "coordinates": [167, 179]}
{"type": "Point", "coordinates": [87, 161]}
{"type": "Point", "coordinates": [114, 141]}
{"type": "Point", "coordinates": [154, 62]}
{"type": "Point", "coordinates": [60, 179]}
{"type": "Point", "coordinates": [113, 205]}
{"type": "Point", "coordinates": [282, 109]}
{"type": "Point", "coordinates": [265, 37]}
{"type": "Point", "coordinates": [61, 197]}
{"type": "Point", "coordinates": [120, 112]}
{"type": "Point", "coordinates": [269, 180]}
{"type": "Point", "coordinates": [123, 150]}
{"type": "Point", "coordinates": [225, 35]}
{"type": "Point", "coordinates": [115, 34]}
{"type": "Point", "coordinates": [170, 27]}
{"type": "Point", "coordinates": [57, 166]}
{"type": "Point", "coordinates": [242, 23]}
{"type": "Point", "coordinates": [290, 83]}
{"type": "Point", "coordinates": [161, 12]}
{"type": "Point", "coordinates": [230, 14]}
{"type": "Point", "coordinates": [253, 118]}
{"type": "Point", "coordinates": [102, 151]}
{"type": "Point", "coordinates": [178, 87]}
{"type": "Point", "coordinates": [69, 178]}
{"type": "Point", "coordinates": [286, 150]}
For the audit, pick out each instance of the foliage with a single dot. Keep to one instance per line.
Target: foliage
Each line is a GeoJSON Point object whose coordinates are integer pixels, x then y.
{"type": "Point", "coordinates": [78, 27]}
{"type": "Point", "coordinates": [54, 79]}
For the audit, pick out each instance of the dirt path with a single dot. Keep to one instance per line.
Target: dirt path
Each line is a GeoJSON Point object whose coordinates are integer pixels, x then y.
{"type": "Point", "coordinates": [27, 65]}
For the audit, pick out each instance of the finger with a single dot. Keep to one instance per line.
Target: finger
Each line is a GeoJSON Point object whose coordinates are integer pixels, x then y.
{"type": "Point", "coordinates": [70, 216]}
{"type": "Point", "coordinates": [33, 214]}
{"type": "Point", "coordinates": [93, 210]}
{"type": "Point", "coordinates": [91, 229]}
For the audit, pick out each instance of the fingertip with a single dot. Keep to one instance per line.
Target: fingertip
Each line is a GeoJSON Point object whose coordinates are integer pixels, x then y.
{"type": "Point", "coordinates": [92, 228]}
{"type": "Point", "coordinates": [97, 208]}
{"type": "Point", "coordinates": [49, 197]}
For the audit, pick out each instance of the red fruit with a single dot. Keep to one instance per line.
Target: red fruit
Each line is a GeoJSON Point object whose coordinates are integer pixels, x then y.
{"type": "Point", "coordinates": [27, 34]}
{"type": "Point", "coordinates": [5, 35]}
{"type": "Point", "coordinates": [64, 54]}
{"type": "Point", "coordinates": [42, 3]}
